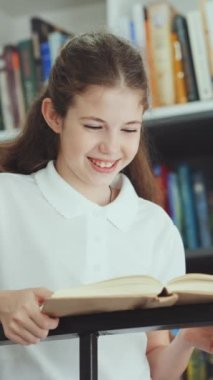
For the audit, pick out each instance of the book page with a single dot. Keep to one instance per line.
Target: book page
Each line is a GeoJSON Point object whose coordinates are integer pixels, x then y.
{"type": "Point", "coordinates": [195, 283]}
{"type": "Point", "coordinates": [121, 286]}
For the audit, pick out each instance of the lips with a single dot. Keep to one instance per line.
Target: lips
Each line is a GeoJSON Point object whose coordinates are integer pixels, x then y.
{"type": "Point", "coordinates": [101, 163]}
{"type": "Point", "coordinates": [105, 165]}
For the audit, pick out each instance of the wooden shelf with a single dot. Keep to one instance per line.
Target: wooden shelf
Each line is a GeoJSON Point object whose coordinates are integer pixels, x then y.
{"type": "Point", "coordinates": [24, 7]}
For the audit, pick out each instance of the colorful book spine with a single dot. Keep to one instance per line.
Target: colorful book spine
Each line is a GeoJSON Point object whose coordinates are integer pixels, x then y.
{"type": "Point", "coordinates": [7, 113]}
{"type": "Point", "coordinates": [160, 18]}
{"type": "Point", "coordinates": [201, 207]}
{"type": "Point", "coordinates": [28, 71]}
{"type": "Point", "coordinates": [179, 76]}
{"type": "Point", "coordinates": [179, 25]}
{"type": "Point", "coordinates": [188, 204]}
{"type": "Point", "coordinates": [199, 54]}
{"type": "Point", "coordinates": [174, 201]}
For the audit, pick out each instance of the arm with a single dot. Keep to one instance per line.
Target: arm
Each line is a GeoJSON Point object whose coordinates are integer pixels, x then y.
{"type": "Point", "coordinates": [168, 360]}
{"type": "Point", "coordinates": [21, 317]}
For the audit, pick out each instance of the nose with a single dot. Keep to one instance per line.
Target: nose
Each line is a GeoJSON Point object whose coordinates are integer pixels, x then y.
{"type": "Point", "coordinates": [110, 144]}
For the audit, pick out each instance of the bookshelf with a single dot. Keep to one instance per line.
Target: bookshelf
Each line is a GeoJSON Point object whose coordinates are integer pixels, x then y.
{"type": "Point", "coordinates": [177, 132]}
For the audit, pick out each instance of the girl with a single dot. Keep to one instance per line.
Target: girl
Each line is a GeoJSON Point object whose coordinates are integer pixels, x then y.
{"type": "Point", "coordinates": [77, 207]}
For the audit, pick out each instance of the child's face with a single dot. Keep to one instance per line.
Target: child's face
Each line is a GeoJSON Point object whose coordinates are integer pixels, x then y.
{"type": "Point", "coordinates": [99, 136]}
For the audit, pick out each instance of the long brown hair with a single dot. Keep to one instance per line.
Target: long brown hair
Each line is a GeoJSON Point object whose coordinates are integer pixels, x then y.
{"type": "Point", "coordinates": [91, 58]}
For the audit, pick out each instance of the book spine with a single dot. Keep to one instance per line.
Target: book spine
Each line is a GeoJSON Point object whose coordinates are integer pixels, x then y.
{"type": "Point", "coordinates": [56, 41]}
{"type": "Point", "coordinates": [45, 60]}
{"type": "Point", "coordinates": [188, 205]}
{"type": "Point", "coordinates": [28, 71]}
{"type": "Point", "coordinates": [196, 369]}
{"type": "Point", "coordinates": [201, 206]}
{"type": "Point", "coordinates": [160, 16]}
{"type": "Point", "coordinates": [179, 77]}
{"type": "Point", "coordinates": [18, 87]}
{"type": "Point", "coordinates": [208, 15]}
{"type": "Point", "coordinates": [181, 29]}
{"type": "Point", "coordinates": [138, 20]}
{"type": "Point", "coordinates": [1, 116]}
{"type": "Point", "coordinates": [152, 75]}
{"type": "Point", "coordinates": [7, 115]}
{"type": "Point", "coordinates": [174, 201]}
{"type": "Point", "coordinates": [199, 54]}
{"type": "Point", "coordinates": [11, 83]}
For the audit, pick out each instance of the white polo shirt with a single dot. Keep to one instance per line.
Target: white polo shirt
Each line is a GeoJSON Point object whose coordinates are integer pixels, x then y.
{"type": "Point", "coordinates": [52, 236]}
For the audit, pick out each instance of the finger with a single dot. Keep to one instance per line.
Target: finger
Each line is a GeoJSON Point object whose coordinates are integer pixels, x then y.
{"type": "Point", "coordinates": [43, 321]}
{"type": "Point", "coordinates": [42, 293]}
{"type": "Point", "coordinates": [30, 326]}
{"type": "Point", "coordinates": [21, 336]}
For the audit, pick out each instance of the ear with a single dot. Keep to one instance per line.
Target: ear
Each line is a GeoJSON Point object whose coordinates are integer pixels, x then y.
{"type": "Point", "coordinates": [50, 115]}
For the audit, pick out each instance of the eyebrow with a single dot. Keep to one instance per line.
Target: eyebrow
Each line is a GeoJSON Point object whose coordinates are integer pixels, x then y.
{"type": "Point", "coordinates": [103, 121]}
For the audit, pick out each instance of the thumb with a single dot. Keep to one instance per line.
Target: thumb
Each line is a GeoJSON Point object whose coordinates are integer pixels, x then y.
{"type": "Point", "coordinates": [41, 294]}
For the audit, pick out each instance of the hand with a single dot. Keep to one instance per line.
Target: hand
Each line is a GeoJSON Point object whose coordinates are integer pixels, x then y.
{"type": "Point", "coordinates": [21, 317]}
{"type": "Point", "coordinates": [199, 337]}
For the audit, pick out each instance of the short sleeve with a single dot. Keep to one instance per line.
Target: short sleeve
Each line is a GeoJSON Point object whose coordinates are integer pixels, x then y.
{"type": "Point", "coordinates": [172, 262]}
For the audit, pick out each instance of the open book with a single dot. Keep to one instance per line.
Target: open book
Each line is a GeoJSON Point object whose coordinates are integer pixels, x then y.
{"type": "Point", "coordinates": [130, 292]}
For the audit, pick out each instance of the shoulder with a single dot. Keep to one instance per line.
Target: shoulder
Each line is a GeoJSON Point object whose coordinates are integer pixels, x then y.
{"type": "Point", "coordinates": [16, 179]}
{"type": "Point", "coordinates": [11, 183]}
{"type": "Point", "coordinates": [153, 210]}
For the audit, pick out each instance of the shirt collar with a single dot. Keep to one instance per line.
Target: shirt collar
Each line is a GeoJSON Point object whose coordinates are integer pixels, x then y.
{"type": "Point", "coordinates": [70, 203]}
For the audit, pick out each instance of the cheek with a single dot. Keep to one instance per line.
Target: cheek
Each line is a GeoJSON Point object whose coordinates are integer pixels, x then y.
{"type": "Point", "coordinates": [133, 146]}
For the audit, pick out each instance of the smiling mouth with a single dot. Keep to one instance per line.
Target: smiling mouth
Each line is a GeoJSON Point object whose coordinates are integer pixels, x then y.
{"type": "Point", "coordinates": [103, 164]}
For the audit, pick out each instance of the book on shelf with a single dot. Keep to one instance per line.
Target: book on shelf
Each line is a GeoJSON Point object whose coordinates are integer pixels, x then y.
{"type": "Point", "coordinates": [28, 71]}
{"type": "Point", "coordinates": [150, 67]}
{"type": "Point", "coordinates": [138, 19]}
{"type": "Point", "coordinates": [190, 236]}
{"type": "Point", "coordinates": [197, 366]}
{"type": "Point", "coordinates": [179, 27]}
{"type": "Point", "coordinates": [14, 83]}
{"type": "Point", "coordinates": [1, 116]}
{"type": "Point", "coordinates": [41, 50]}
{"type": "Point", "coordinates": [206, 8]}
{"type": "Point", "coordinates": [7, 114]}
{"type": "Point", "coordinates": [130, 292]}
{"type": "Point", "coordinates": [160, 17]}
{"type": "Point", "coordinates": [179, 75]}
{"type": "Point", "coordinates": [175, 208]}
{"type": "Point", "coordinates": [199, 54]}
{"type": "Point", "coordinates": [56, 41]}
{"type": "Point", "coordinates": [201, 208]}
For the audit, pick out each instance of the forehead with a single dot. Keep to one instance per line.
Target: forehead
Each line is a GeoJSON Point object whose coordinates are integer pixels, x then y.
{"type": "Point", "coordinates": [109, 99]}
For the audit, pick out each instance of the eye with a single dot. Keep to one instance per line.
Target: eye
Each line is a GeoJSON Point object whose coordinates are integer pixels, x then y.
{"type": "Point", "coordinates": [92, 126]}
{"type": "Point", "coordinates": [129, 130]}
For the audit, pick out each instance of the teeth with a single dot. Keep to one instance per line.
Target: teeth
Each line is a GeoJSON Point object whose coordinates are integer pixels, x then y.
{"type": "Point", "coordinates": [102, 164]}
